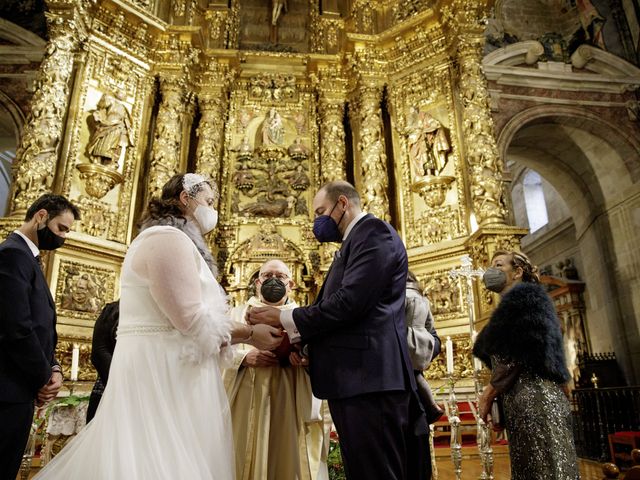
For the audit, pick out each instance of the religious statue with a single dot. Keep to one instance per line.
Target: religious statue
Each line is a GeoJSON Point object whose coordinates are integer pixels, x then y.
{"type": "Point", "coordinates": [428, 144]}
{"type": "Point", "coordinates": [298, 179]}
{"type": "Point", "coordinates": [81, 294]}
{"type": "Point", "coordinates": [297, 150]}
{"type": "Point", "coordinates": [280, 207]}
{"type": "Point", "coordinates": [244, 149]}
{"type": "Point", "coordinates": [111, 130]}
{"type": "Point", "coordinates": [276, 12]}
{"type": "Point", "coordinates": [272, 129]}
{"type": "Point", "coordinates": [243, 177]}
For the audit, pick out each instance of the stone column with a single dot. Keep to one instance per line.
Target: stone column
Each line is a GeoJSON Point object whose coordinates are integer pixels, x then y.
{"type": "Point", "coordinates": [167, 143]}
{"type": "Point", "coordinates": [484, 165]}
{"type": "Point", "coordinates": [37, 154]}
{"type": "Point", "coordinates": [210, 131]}
{"type": "Point", "coordinates": [373, 160]}
{"type": "Point", "coordinates": [332, 153]}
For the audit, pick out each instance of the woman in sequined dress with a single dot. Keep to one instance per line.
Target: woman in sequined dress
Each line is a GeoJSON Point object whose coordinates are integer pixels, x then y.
{"type": "Point", "coordinates": [522, 343]}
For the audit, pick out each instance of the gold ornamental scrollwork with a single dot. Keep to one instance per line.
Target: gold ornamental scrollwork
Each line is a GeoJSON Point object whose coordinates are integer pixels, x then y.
{"type": "Point", "coordinates": [433, 189]}
{"type": "Point", "coordinates": [166, 151]}
{"type": "Point", "coordinates": [209, 133]}
{"type": "Point", "coordinates": [371, 148]}
{"type": "Point", "coordinates": [98, 179]}
{"type": "Point", "coordinates": [333, 140]}
{"type": "Point", "coordinates": [37, 154]}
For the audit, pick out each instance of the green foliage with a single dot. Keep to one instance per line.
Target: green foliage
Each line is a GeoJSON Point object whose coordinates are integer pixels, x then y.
{"type": "Point", "coordinates": [334, 462]}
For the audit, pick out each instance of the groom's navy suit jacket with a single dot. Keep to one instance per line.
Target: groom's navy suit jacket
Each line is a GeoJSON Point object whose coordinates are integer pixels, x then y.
{"type": "Point", "coordinates": [356, 330]}
{"type": "Point", "coordinates": [27, 323]}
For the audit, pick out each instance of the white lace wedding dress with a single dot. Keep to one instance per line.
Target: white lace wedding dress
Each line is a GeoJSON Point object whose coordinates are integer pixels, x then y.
{"type": "Point", "coordinates": [164, 413]}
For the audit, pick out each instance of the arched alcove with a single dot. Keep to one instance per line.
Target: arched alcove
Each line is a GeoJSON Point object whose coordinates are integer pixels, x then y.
{"type": "Point", "coordinates": [11, 122]}
{"type": "Point", "coordinates": [594, 170]}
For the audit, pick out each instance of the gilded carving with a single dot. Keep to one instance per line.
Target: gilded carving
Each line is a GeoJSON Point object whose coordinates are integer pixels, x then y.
{"type": "Point", "coordinates": [333, 141]}
{"type": "Point", "coordinates": [84, 289]}
{"type": "Point", "coordinates": [209, 133]}
{"type": "Point", "coordinates": [165, 155]}
{"type": "Point", "coordinates": [445, 295]}
{"type": "Point", "coordinates": [481, 151]}
{"type": "Point", "coordinates": [64, 353]}
{"type": "Point", "coordinates": [110, 128]}
{"type": "Point", "coordinates": [428, 143]}
{"type": "Point", "coordinates": [217, 22]}
{"type": "Point", "coordinates": [81, 293]}
{"type": "Point", "coordinates": [372, 156]}
{"type": "Point", "coordinates": [274, 87]}
{"type": "Point", "coordinates": [272, 130]}
{"type": "Point", "coordinates": [97, 219]}
{"type": "Point", "coordinates": [37, 155]}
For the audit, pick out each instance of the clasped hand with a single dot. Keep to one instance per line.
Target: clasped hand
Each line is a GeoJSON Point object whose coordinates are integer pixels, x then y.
{"type": "Point", "coordinates": [264, 315]}
{"type": "Point", "coordinates": [49, 391]}
{"type": "Point", "coordinates": [266, 337]}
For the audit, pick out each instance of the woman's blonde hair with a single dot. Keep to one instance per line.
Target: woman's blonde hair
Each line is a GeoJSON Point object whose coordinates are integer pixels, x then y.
{"type": "Point", "coordinates": [519, 259]}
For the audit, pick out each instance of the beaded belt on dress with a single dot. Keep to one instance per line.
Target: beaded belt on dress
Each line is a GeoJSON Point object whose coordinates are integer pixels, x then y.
{"type": "Point", "coordinates": [144, 329]}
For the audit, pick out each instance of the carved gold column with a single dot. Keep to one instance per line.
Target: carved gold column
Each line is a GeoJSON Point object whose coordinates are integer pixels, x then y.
{"type": "Point", "coordinates": [485, 168]}
{"type": "Point", "coordinates": [167, 144]}
{"type": "Point", "coordinates": [209, 132]}
{"type": "Point", "coordinates": [373, 160]}
{"type": "Point", "coordinates": [37, 154]}
{"type": "Point", "coordinates": [331, 109]}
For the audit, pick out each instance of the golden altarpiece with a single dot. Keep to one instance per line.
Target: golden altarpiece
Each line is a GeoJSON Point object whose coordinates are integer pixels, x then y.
{"type": "Point", "coordinates": [270, 99]}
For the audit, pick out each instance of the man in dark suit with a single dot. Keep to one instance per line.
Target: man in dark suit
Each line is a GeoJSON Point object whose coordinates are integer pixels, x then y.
{"type": "Point", "coordinates": [357, 345]}
{"type": "Point", "coordinates": [29, 372]}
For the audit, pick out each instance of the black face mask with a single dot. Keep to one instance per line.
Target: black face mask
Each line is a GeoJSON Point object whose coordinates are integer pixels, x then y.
{"type": "Point", "coordinates": [47, 240]}
{"type": "Point", "coordinates": [273, 290]}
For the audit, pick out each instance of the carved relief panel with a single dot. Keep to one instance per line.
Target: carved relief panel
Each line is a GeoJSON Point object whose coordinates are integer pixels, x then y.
{"type": "Point", "coordinates": [104, 151]}
{"type": "Point", "coordinates": [270, 173]}
{"type": "Point", "coordinates": [426, 134]}
{"type": "Point", "coordinates": [83, 289]}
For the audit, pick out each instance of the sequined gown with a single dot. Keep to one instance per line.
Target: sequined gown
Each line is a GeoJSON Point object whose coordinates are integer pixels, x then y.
{"type": "Point", "coordinates": [538, 422]}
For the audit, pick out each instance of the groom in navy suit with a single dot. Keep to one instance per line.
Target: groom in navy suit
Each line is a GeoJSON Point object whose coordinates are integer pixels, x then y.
{"type": "Point", "coordinates": [29, 372]}
{"type": "Point", "coordinates": [355, 332]}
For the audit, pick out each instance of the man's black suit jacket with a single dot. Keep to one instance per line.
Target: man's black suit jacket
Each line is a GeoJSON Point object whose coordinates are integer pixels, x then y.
{"type": "Point", "coordinates": [27, 323]}
{"type": "Point", "coordinates": [356, 329]}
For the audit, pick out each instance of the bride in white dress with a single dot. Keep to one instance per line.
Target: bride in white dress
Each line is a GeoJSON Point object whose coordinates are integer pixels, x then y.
{"type": "Point", "coordinates": [164, 413]}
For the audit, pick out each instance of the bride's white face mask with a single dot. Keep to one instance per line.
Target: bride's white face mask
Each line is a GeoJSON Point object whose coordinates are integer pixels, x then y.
{"type": "Point", "coordinates": [204, 212]}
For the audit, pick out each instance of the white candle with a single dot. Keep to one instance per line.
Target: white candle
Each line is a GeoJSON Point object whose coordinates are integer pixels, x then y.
{"type": "Point", "coordinates": [75, 361]}
{"type": "Point", "coordinates": [449, 349]}
{"type": "Point", "coordinates": [477, 364]}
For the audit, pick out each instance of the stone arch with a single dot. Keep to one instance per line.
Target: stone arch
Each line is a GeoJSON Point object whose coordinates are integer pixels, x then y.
{"type": "Point", "coordinates": [11, 124]}
{"type": "Point", "coordinates": [593, 166]}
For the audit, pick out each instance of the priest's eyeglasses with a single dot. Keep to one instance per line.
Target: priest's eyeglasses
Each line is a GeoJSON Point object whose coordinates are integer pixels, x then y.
{"type": "Point", "coordinates": [280, 276]}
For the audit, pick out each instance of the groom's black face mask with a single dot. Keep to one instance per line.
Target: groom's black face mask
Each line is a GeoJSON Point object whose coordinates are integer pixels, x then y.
{"type": "Point", "coordinates": [273, 290]}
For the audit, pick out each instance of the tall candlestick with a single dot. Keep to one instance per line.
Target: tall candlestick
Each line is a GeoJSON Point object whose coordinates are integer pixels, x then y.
{"type": "Point", "coordinates": [449, 348]}
{"type": "Point", "coordinates": [75, 361]}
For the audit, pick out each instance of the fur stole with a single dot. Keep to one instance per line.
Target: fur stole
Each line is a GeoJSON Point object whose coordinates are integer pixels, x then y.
{"type": "Point", "coordinates": [524, 328]}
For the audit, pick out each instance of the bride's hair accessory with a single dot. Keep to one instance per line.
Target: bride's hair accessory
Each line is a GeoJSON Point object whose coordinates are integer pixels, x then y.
{"type": "Point", "coordinates": [192, 183]}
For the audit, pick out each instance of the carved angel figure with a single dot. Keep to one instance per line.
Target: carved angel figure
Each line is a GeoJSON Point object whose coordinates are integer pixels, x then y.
{"type": "Point", "coordinates": [111, 131]}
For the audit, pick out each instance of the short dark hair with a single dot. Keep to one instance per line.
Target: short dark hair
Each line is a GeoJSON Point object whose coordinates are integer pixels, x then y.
{"type": "Point", "coordinates": [340, 187]}
{"type": "Point", "coordinates": [54, 205]}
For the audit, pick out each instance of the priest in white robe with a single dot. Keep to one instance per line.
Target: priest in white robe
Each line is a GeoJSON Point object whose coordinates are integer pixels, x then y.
{"type": "Point", "coordinates": [278, 425]}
